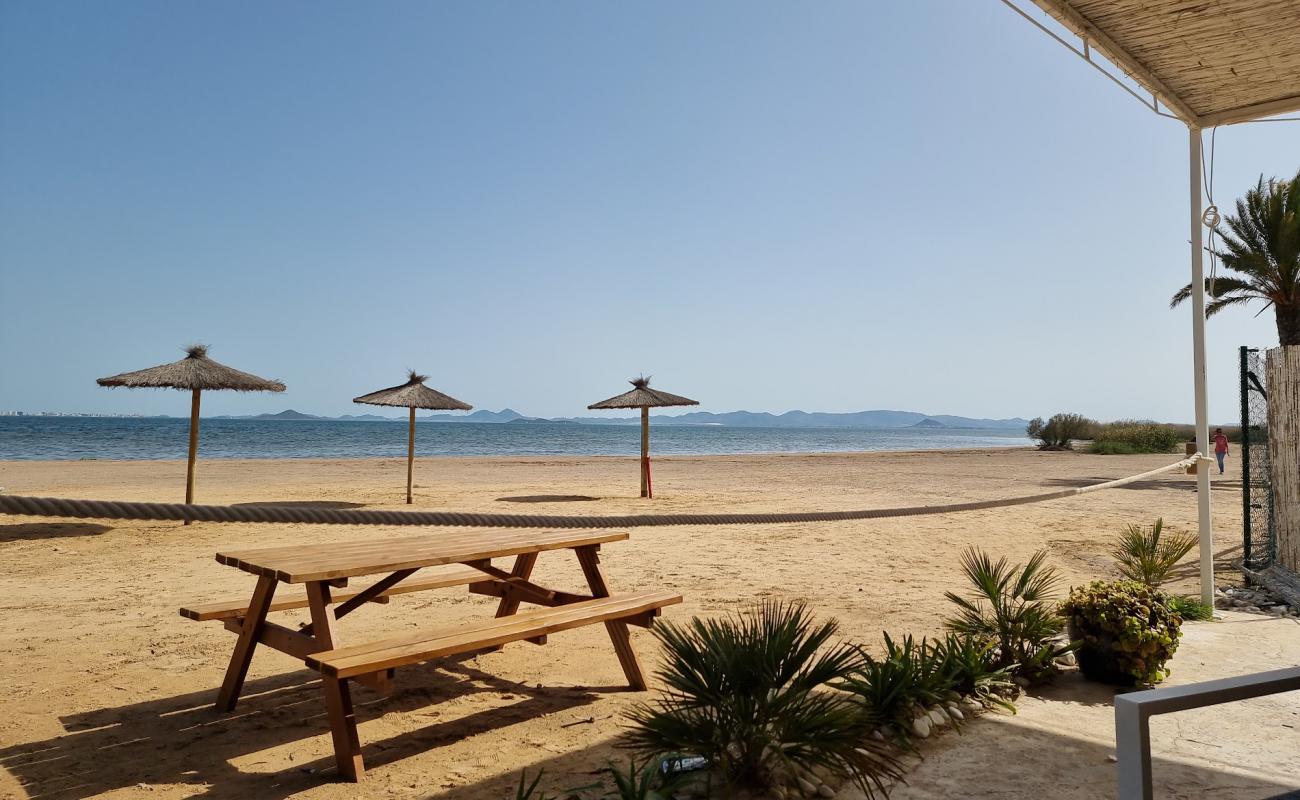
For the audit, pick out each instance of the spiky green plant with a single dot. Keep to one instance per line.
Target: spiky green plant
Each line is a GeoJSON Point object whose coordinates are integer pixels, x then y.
{"type": "Point", "coordinates": [529, 791]}
{"type": "Point", "coordinates": [890, 687]}
{"type": "Point", "coordinates": [968, 663]}
{"type": "Point", "coordinates": [1148, 554]}
{"type": "Point", "coordinates": [1189, 608]}
{"type": "Point", "coordinates": [1261, 246]}
{"type": "Point", "coordinates": [646, 781]}
{"type": "Point", "coordinates": [1011, 608]}
{"type": "Point", "coordinates": [751, 694]}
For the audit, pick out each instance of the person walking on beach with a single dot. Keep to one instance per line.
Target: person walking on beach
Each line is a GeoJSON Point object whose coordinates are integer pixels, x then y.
{"type": "Point", "coordinates": [1220, 447]}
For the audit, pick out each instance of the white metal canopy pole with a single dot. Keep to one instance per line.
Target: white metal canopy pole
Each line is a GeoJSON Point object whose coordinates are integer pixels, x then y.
{"type": "Point", "coordinates": [1199, 373]}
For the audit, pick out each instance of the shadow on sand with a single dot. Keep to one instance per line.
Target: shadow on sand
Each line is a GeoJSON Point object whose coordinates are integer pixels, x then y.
{"type": "Point", "coordinates": [1188, 485]}
{"type": "Point", "coordinates": [182, 740]}
{"type": "Point", "coordinates": [548, 498]}
{"type": "Point", "coordinates": [300, 504]}
{"type": "Point", "coordinates": [50, 530]}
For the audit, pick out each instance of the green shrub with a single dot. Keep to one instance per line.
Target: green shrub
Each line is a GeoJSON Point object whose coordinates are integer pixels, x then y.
{"type": "Point", "coordinates": [968, 663]}
{"type": "Point", "coordinates": [1190, 608]}
{"type": "Point", "coordinates": [1148, 555]}
{"type": "Point", "coordinates": [1125, 631]}
{"type": "Point", "coordinates": [646, 781]}
{"type": "Point", "coordinates": [1059, 432]}
{"type": "Point", "coordinates": [1011, 611]}
{"type": "Point", "coordinates": [1127, 437]}
{"type": "Point", "coordinates": [891, 687]}
{"type": "Point", "coordinates": [751, 694]}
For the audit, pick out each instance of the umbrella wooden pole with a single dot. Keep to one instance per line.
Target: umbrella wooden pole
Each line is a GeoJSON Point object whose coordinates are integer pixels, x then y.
{"type": "Point", "coordinates": [410, 456]}
{"type": "Point", "coordinates": [645, 453]}
{"type": "Point", "coordinates": [194, 448]}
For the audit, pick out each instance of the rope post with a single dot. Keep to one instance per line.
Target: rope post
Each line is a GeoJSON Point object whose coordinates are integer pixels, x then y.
{"type": "Point", "coordinates": [645, 452]}
{"type": "Point", "coordinates": [1199, 378]}
{"type": "Point", "coordinates": [410, 456]}
{"type": "Point", "coordinates": [194, 448]}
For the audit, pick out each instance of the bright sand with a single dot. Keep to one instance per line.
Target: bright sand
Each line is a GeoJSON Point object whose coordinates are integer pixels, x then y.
{"type": "Point", "coordinates": [108, 690]}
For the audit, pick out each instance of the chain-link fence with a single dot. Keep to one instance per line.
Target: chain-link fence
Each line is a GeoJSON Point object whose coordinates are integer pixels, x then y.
{"type": "Point", "coordinates": [1259, 530]}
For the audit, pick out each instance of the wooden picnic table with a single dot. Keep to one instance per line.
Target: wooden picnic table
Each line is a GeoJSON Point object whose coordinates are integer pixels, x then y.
{"type": "Point", "coordinates": [409, 564]}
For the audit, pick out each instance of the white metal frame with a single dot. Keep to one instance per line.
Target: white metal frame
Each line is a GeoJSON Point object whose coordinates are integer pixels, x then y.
{"type": "Point", "coordinates": [1133, 713]}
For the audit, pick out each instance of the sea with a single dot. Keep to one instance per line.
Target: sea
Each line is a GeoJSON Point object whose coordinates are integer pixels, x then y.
{"type": "Point", "coordinates": [129, 438]}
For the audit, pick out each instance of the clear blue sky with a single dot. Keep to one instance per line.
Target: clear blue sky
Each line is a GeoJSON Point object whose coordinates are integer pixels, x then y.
{"type": "Point", "coordinates": [834, 206]}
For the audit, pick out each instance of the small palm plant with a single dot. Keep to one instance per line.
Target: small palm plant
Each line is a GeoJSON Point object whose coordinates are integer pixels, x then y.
{"type": "Point", "coordinates": [646, 781]}
{"type": "Point", "coordinates": [1148, 555]}
{"type": "Point", "coordinates": [1262, 248]}
{"type": "Point", "coordinates": [751, 694]}
{"type": "Point", "coordinates": [1011, 609]}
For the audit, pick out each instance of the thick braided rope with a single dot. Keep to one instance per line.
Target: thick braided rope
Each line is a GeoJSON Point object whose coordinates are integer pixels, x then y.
{"type": "Point", "coordinates": [111, 509]}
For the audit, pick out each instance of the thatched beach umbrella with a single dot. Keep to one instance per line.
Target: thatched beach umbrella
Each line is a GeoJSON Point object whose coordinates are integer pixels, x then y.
{"type": "Point", "coordinates": [644, 398]}
{"type": "Point", "coordinates": [194, 373]}
{"type": "Point", "coordinates": [413, 394]}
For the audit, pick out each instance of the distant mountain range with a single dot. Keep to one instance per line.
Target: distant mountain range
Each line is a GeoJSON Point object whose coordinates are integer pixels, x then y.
{"type": "Point", "coordinates": [736, 419]}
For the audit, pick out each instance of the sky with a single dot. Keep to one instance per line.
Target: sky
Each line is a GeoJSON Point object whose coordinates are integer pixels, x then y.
{"type": "Point", "coordinates": [839, 206]}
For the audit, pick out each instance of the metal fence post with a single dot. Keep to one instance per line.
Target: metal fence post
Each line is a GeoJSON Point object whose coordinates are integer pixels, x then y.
{"type": "Point", "coordinates": [1245, 459]}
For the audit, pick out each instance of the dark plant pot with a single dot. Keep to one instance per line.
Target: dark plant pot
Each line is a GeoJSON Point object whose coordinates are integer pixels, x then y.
{"type": "Point", "coordinates": [1096, 656]}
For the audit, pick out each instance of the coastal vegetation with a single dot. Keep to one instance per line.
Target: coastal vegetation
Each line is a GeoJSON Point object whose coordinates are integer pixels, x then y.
{"type": "Point", "coordinates": [1128, 437]}
{"type": "Point", "coordinates": [1061, 431]}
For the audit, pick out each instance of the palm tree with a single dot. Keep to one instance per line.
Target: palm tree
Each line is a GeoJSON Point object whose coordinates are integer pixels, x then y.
{"type": "Point", "coordinates": [1262, 248]}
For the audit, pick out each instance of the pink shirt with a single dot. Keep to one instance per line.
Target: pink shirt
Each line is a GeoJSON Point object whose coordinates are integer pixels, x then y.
{"type": "Point", "coordinates": [1220, 443]}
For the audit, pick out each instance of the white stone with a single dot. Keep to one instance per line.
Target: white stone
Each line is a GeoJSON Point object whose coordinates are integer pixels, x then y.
{"type": "Point", "coordinates": [938, 718]}
{"type": "Point", "coordinates": [955, 713]}
{"type": "Point", "coordinates": [807, 786]}
{"type": "Point", "coordinates": [921, 727]}
{"type": "Point", "coordinates": [825, 791]}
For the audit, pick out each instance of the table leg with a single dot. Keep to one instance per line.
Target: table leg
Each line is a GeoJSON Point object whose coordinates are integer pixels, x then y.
{"type": "Point", "coordinates": [324, 628]}
{"type": "Point", "coordinates": [523, 569]}
{"type": "Point", "coordinates": [322, 616]}
{"type": "Point", "coordinates": [249, 634]}
{"type": "Point", "coordinates": [618, 633]}
{"type": "Point", "coordinates": [343, 728]}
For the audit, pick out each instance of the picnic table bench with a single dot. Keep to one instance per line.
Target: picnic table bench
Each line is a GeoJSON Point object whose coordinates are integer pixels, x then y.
{"type": "Point", "coordinates": [413, 564]}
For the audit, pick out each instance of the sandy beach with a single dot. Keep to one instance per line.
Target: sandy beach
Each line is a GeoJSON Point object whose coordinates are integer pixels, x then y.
{"type": "Point", "coordinates": [108, 690]}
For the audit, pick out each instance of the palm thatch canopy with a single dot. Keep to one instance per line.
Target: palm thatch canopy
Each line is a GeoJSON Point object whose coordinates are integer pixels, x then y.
{"type": "Point", "coordinates": [194, 372]}
{"type": "Point", "coordinates": [413, 394]}
{"type": "Point", "coordinates": [642, 396]}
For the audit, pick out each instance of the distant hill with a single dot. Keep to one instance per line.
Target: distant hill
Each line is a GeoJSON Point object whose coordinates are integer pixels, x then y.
{"type": "Point", "coordinates": [482, 415]}
{"type": "Point", "coordinates": [527, 420]}
{"type": "Point", "coordinates": [816, 419]}
{"type": "Point", "coordinates": [737, 419]}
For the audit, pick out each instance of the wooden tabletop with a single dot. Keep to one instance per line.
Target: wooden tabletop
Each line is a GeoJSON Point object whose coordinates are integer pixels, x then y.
{"type": "Point", "coordinates": [320, 561]}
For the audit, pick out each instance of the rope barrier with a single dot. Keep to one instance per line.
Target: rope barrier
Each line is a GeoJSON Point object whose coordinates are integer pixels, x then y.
{"type": "Point", "coordinates": [112, 509]}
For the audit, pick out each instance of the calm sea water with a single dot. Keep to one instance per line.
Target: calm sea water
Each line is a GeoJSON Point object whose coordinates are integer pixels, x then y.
{"type": "Point", "coordinates": [71, 438]}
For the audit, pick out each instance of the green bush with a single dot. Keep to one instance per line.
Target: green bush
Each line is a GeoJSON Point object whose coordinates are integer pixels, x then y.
{"type": "Point", "coordinates": [1059, 432]}
{"type": "Point", "coordinates": [1127, 437]}
{"type": "Point", "coordinates": [968, 663]}
{"type": "Point", "coordinates": [1011, 611]}
{"type": "Point", "coordinates": [891, 687]}
{"type": "Point", "coordinates": [1148, 555]}
{"type": "Point", "coordinates": [751, 694]}
{"type": "Point", "coordinates": [1125, 631]}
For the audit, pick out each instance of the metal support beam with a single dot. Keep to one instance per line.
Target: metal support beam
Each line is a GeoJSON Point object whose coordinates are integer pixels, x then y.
{"type": "Point", "coordinates": [1199, 378]}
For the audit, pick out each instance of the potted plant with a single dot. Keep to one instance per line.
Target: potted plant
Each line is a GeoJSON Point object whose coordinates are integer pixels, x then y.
{"type": "Point", "coordinates": [1125, 631]}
